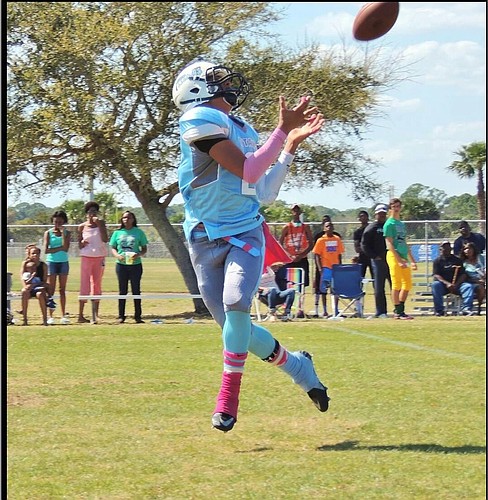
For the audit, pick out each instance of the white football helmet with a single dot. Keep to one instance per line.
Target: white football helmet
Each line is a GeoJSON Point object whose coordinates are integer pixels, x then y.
{"type": "Point", "coordinates": [201, 81]}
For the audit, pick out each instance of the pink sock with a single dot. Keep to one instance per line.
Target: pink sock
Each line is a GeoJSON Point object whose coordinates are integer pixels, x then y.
{"type": "Point", "coordinates": [228, 397]}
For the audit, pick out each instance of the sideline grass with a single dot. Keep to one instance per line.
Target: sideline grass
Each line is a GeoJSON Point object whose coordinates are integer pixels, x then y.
{"type": "Point", "coordinates": [105, 412]}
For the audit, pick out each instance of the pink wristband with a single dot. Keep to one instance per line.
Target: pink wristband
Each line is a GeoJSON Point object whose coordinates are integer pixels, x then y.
{"type": "Point", "coordinates": [257, 164]}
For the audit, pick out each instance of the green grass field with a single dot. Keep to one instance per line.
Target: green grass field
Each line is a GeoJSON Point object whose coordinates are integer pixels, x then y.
{"type": "Point", "coordinates": [123, 411]}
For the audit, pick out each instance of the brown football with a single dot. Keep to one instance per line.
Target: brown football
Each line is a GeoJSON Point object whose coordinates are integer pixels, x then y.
{"type": "Point", "coordinates": [375, 19]}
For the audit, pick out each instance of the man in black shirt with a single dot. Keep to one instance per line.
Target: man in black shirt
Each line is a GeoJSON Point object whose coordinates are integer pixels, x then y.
{"type": "Point", "coordinates": [450, 277]}
{"type": "Point", "coordinates": [374, 247]}
{"type": "Point", "coordinates": [468, 236]}
{"type": "Point", "coordinates": [362, 258]}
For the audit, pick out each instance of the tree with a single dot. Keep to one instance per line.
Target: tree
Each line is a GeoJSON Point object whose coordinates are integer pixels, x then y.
{"type": "Point", "coordinates": [462, 207]}
{"type": "Point", "coordinates": [420, 202]}
{"type": "Point", "coordinates": [472, 164]}
{"type": "Point", "coordinates": [74, 210]}
{"type": "Point", "coordinates": [419, 209]}
{"type": "Point", "coordinates": [34, 211]}
{"type": "Point", "coordinates": [437, 196]}
{"type": "Point", "coordinates": [89, 94]}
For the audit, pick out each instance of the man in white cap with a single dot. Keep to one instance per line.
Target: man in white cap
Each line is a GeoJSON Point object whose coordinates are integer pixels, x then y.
{"type": "Point", "coordinates": [374, 246]}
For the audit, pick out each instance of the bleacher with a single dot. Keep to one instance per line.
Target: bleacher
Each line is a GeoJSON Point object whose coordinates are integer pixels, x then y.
{"type": "Point", "coordinates": [423, 302]}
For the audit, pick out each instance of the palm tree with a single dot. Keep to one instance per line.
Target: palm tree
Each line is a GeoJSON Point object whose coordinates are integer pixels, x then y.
{"type": "Point", "coordinates": [472, 163]}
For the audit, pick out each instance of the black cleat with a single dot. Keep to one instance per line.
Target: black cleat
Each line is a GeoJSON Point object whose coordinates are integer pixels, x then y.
{"type": "Point", "coordinates": [223, 421]}
{"type": "Point", "coordinates": [319, 398]}
{"type": "Point", "coordinates": [311, 384]}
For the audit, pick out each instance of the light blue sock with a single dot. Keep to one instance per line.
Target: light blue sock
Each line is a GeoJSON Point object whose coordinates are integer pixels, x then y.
{"type": "Point", "coordinates": [262, 342]}
{"type": "Point", "coordinates": [292, 365]}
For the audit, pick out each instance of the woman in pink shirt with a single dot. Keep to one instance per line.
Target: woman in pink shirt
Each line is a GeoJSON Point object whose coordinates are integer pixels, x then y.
{"type": "Point", "coordinates": [92, 241]}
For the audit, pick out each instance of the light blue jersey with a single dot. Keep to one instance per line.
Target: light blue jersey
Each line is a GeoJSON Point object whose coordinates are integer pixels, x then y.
{"type": "Point", "coordinates": [225, 203]}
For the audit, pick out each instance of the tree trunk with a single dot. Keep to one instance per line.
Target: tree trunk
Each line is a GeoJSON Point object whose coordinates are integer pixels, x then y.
{"type": "Point", "coordinates": [156, 213]}
{"type": "Point", "coordinates": [481, 195]}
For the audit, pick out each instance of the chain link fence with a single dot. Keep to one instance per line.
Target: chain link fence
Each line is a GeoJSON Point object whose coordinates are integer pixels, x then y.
{"type": "Point", "coordinates": [424, 236]}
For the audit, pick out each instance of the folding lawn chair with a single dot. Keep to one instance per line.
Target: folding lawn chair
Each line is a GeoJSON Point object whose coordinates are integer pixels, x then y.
{"type": "Point", "coordinates": [295, 279]}
{"type": "Point", "coordinates": [261, 299]}
{"type": "Point", "coordinates": [295, 276]}
{"type": "Point", "coordinates": [347, 284]}
{"type": "Point", "coordinates": [256, 303]}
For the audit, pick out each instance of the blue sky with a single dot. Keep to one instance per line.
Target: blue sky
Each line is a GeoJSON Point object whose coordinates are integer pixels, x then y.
{"type": "Point", "coordinates": [439, 109]}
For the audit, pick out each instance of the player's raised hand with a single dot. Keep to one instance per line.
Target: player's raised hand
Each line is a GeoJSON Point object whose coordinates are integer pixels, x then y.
{"type": "Point", "coordinates": [294, 117]}
{"type": "Point", "coordinates": [297, 135]}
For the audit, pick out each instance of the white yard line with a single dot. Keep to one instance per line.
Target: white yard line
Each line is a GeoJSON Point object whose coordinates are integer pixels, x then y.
{"type": "Point", "coordinates": [416, 347]}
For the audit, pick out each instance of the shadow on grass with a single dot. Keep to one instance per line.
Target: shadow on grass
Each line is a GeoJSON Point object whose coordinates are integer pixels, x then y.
{"type": "Point", "coordinates": [427, 448]}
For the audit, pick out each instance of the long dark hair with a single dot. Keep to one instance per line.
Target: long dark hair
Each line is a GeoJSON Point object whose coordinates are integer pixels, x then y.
{"type": "Point", "coordinates": [122, 225]}
{"type": "Point", "coordinates": [469, 244]}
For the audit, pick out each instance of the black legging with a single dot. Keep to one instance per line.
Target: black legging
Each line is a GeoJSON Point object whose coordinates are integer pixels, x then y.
{"type": "Point", "coordinates": [132, 273]}
{"type": "Point", "coordinates": [366, 263]}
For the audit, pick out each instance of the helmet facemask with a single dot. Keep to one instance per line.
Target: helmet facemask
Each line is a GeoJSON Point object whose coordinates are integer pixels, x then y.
{"type": "Point", "coordinates": [233, 87]}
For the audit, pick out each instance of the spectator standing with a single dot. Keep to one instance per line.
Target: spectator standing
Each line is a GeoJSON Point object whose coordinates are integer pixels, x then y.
{"type": "Point", "coordinates": [92, 242]}
{"type": "Point", "coordinates": [373, 245]}
{"type": "Point", "coordinates": [450, 277]}
{"type": "Point", "coordinates": [328, 251]}
{"type": "Point", "coordinates": [319, 234]}
{"type": "Point", "coordinates": [476, 271]}
{"type": "Point", "coordinates": [56, 245]}
{"type": "Point", "coordinates": [296, 238]}
{"type": "Point", "coordinates": [363, 259]}
{"type": "Point", "coordinates": [34, 265]}
{"type": "Point", "coordinates": [468, 236]}
{"type": "Point", "coordinates": [273, 290]}
{"type": "Point", "coordinates": [317, 278]}
{"type": "Point", "coordinates": [399, 258]}
{"type": "Point", "coordinates": [219, 176]}
{"type": "Point", "coordinates": [129, 244]}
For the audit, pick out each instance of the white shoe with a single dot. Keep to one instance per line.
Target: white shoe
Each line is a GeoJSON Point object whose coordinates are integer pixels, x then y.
{"type": "Point", "coordinates": [339, 317]}
{"type": "Point", "coordinates": [271, 318]}
{"type": "Point", "coordinates": [51, 321]}
{"type": "Point", "coordinates": [382, 316]}
{"type": "Point", "coordinates": [64, 321]}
